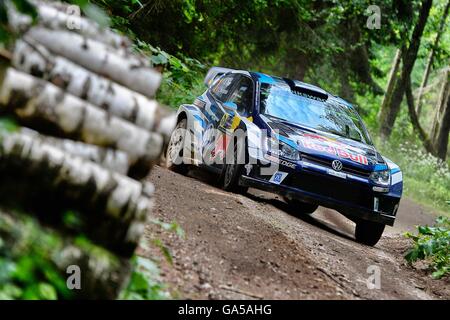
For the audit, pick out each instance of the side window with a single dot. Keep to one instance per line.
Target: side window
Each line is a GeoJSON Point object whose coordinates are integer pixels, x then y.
{"type": "Point", "coordinates": [243, 95]}
{"type": "Point", "coordinates": [222, 88]}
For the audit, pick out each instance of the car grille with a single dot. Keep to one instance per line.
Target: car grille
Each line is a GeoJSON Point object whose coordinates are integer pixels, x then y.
{"type": "Point", "coordinates": [335, 188]}
{"type": "Point", "coordinates": [327, 163]}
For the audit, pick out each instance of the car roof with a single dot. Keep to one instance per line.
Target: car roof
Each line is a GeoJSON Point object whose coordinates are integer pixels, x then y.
{"type": "Point", "coordinates": [265, 78]}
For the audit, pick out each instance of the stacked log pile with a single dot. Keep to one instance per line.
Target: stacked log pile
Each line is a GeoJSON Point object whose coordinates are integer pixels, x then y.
{"type": "Point", "coordinates": [90, 132]}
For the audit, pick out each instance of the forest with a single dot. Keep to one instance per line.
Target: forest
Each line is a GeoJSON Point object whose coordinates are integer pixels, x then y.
{"type": "Point", "coordinates": [396, 72]}
{"type": "Point", "coordinates": [389, 58]}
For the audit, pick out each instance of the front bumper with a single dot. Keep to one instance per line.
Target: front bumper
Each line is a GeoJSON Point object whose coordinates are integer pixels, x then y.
{"type": "Point", "coordinates": [352, 199]}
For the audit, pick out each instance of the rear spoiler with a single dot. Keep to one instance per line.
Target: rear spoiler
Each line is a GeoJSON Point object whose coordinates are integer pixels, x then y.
{"type": "Point", "coordinates": [214, 73]}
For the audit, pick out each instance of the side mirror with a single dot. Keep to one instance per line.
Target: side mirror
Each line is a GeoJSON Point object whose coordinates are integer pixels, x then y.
{"type": "Point", "coordinates": [230, 105]}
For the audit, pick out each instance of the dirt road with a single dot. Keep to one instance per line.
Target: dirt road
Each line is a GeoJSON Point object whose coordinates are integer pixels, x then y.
{"type": "Point", "coordinates": [252, 247]}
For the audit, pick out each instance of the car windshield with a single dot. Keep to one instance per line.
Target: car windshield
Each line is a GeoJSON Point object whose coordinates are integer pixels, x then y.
{"type": "Point", "coordinates": [332, 117]}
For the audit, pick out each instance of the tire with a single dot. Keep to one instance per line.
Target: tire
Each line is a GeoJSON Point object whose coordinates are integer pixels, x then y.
{"type": "Point", "coordinates": [299, 207]}
{"type": "Point", "coordinates": [174, 154]}
{"type": "Point", "coordinates": [231, 175]}
{"type": "Point", "coordinates": [368, 232]}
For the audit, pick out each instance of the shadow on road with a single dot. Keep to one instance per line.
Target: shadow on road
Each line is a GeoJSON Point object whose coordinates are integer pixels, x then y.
{"type": "Point", "coordinates": [310, 219]}
{"type": "Point", "coordinates": [324, 219]}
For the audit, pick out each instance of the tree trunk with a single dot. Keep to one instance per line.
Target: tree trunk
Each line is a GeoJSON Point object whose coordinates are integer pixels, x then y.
{"type": "Point", "coordinates": [48, 181]}
{"type": "Point", "coordinates": [57, 18]}
{"type": "Point", "coordinates": [430, 60]}
{"type": "Point", "coordinates": [48, 109]}
{"type": "Point", "coordinates": [427, 143]}
{"type": "Point", "coordinates": [392, 80]}
{"type": "Point", "coordinates": [103, 274]}
{"type": "Point", "coordinates": [114, 160]}
{"type": "Point", "coordinates": [441, 101]}
{"type": "Point", "coordinates": [360, 62]}
{"type": "Point", "coordinates": [121, 67]}
{"type": "Point", "coordinates": [33, 58]}
{"type": "Point", "coordinates": [389, 114]}
{"type": "Point", "coordinates": [441, 123]}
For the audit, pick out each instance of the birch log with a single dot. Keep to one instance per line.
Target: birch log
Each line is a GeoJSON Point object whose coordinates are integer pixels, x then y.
{"type": "Point", "coordinates": [46, 108]}
{"type": "Point", "coordinates": [114, 160]}
{"type": "Point", "coordinates": [97, 57]}
{"type": "Point", "coordinates": [103, 274]}
{"type": "Point", "coordinates": [50, 181]}
{"type": "Point", "coordinates": [69, 17]}
{"type": "Point", "coordinates": [33, 58]}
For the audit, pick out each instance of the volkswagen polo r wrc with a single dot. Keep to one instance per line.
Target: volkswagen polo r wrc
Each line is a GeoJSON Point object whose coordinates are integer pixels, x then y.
{"type": "Point", "coordinates": [291, 138]}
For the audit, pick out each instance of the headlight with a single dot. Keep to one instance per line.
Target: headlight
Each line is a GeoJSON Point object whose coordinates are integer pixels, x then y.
{"type": "Point", "coordinates": [381, 177]}
{"type": "Point", "coordinates": [288, 152]}
{"type": "Point", "coordinates": [281, 149]}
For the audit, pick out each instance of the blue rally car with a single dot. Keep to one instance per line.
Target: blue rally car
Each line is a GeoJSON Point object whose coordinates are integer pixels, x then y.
{"type": "Point", "coordinates": [290, 138]}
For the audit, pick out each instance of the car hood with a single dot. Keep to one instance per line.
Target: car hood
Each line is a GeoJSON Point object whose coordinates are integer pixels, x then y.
{"type": "Point", "coordinates": [321, 145]}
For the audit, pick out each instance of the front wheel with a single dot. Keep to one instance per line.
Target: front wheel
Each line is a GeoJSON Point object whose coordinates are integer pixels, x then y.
{"type": "Point", "coordinates": [174, 155]}
{"type": "Point", "coordinates": [368, 232]}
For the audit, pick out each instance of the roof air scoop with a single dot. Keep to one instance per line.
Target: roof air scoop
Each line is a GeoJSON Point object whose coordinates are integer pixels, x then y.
{"type": "Point", "coordinates": [306, 90]}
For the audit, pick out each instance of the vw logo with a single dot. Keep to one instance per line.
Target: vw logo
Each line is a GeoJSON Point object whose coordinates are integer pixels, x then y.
{"type": "Point", "coordinates": [337, 165]}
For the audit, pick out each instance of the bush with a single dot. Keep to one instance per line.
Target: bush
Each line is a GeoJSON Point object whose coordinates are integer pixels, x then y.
{"type": "Point", "coordinates": [432, 244]}
{"type": "Point", "coordinates": [426, 178]}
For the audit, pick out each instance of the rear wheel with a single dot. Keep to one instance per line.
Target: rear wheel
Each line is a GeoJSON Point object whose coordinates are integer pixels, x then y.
{"type": "Point", "coordinates": [368, 232]}
{"type": "Point", "coordinates": [299, 207]}
{"type": "Point", "coordinates": [231, 174]}
{"type": "Point", "coordinates": [174, 155]}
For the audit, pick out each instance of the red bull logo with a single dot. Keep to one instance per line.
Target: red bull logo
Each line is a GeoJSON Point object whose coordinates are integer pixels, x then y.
{"type": "Point", "coordinates": [334, 150]}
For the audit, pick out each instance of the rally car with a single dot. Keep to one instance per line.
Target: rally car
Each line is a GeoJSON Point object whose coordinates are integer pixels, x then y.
{"type": "Point", "coordinates": [290, 138]}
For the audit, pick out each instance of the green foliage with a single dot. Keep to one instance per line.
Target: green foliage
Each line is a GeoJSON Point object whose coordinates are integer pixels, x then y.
{"type": "Point", "coordinates": [173, 95]}
{"type": "Point", "coordinates": [170, 227]}
{"type": "Point", "coordinates": [181, 71]}
{"type": "Point", "coordinates": [433, 245]}
{"type": "Point", "coordinates": [426, 178]}
{"type": "Point", "coordinates": [8, 125]}
{"type": "Point", "coordinates": [93, 12]}
{"type": "Point", "coordinates": [23, 6]}
{"type": "Point", "coordinates": [173, 227]}
{"type": "Point", "coordinates": [26, 267]}
{"type": "Point", "coordinates": [182, 76]}
{"type": "Point", "coordinates": [143, 283]}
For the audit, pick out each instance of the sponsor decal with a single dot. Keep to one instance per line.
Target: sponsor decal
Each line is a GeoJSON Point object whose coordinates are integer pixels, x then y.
{"type": "Point", "coordinates": [223, 121]}
{"type": "Point", "coordinates": [334, 150]}
{"type": "Point", "coordinates": [280, 161]}
{"type": "Point", "coordinates": [338, 174]}
{"type": "Point", "coordinates": [229, 122]}
{"type": "Point", "coordinates": [272, 158]}
{"type": "Point", "coordinates": [278, 177]}
{"type": "Point", "coordinates": [287, 164]}
{"type": "Point", "coordinates": [221, 147]}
